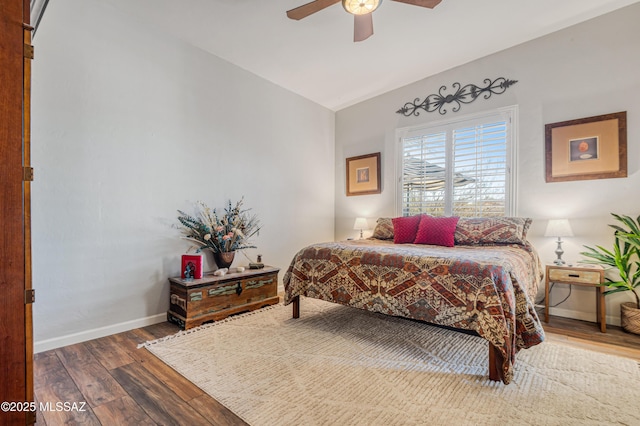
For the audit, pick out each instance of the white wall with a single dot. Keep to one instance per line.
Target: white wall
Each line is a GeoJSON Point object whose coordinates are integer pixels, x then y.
{"type": "Point", "coordinates": [130, 125]}
{"type": "Point", "coordinates": [586, 70]}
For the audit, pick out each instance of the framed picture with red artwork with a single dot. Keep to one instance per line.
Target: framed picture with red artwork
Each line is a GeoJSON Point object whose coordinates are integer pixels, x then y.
{"type": "Point", "coordinates": [192, 266]}
{"type": "Point", "coordinates": [587, 148]}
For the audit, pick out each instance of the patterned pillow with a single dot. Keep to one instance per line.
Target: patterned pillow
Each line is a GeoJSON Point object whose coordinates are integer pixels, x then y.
{"type": "Point", "coordinates": [492, 230]}
{"type": "Point", "coordinates": [405, 229]}
{"type": "Point", "coordinates": [383, 229]}
{"type": "Point", "coordinates": [436, 230]}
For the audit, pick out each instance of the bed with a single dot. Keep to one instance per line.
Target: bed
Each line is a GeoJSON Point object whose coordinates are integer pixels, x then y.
{"type": "Point", "coordinates": [484, 284]}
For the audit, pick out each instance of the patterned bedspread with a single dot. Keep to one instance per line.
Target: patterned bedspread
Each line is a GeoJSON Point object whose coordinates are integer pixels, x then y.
{"type": "Point", "coordinates": [487, 289]}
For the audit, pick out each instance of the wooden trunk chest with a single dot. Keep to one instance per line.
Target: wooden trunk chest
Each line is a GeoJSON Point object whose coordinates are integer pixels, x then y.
{"type": "Point", "coordinates": [196, 302]}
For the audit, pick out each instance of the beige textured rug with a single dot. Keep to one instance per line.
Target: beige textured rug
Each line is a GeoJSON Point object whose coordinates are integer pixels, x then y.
{"type": "Point", "coordinates": [343, 366]}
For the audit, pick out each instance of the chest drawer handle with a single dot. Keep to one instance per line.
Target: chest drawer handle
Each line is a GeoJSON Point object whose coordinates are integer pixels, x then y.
{"type": "Point", "coordinates": [178, 301]}
{"type": "Point", "coordinates": [239, 289]}
{"type": "Point", "coordinates": [574, 275]}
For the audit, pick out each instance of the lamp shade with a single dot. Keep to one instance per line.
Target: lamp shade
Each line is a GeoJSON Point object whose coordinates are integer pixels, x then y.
{"type": "Point", "coordinates": [558, 228]}
{"type": "Point", "coordinates": [360, 7]}
{"type": "Point", "coordinates": [361, 223]}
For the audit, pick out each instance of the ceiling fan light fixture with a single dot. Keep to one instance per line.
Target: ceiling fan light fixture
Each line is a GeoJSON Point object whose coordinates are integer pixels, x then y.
{"type": "Point", "coordinates": [360, 7]}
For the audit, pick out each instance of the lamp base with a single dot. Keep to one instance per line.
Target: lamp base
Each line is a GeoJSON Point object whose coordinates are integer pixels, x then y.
{"type": "Point", "coordinates": [559, 253]}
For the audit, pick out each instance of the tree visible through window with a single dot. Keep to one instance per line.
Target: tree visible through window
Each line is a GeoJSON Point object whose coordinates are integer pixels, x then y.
{"type": "Point", "coordinates": [461, 168]}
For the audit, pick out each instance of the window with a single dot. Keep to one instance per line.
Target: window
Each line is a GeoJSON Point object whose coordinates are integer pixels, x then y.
{"type": "Point", "coordinates": [459, 168]}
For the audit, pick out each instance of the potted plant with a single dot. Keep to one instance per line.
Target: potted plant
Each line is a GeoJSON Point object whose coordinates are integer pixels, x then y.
{"type": "Point", "coordinates": [625, 258]}
{"type": "Point", "coordinates": [221, 233]}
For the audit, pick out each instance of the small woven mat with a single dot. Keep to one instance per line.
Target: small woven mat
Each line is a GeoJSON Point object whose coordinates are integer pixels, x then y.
{"type": "Point", "coordinates": [343, 366]}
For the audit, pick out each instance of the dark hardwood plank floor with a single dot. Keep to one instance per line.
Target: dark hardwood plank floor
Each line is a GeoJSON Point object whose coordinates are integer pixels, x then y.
{"type": "Point", "coordinates": [123, 385]}
{"type": "Point", "coordinates": [119, 384]}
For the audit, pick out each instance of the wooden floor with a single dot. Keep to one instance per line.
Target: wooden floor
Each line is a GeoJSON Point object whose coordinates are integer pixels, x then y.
{"type": "Point", "coordinates": [122, 385]}
{"type": "Point", "coordinates": [587, 335]}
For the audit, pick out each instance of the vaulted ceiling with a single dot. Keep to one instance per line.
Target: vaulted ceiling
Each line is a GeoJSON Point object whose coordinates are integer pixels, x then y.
{"type": "Point", "coordinates": [317, 58]}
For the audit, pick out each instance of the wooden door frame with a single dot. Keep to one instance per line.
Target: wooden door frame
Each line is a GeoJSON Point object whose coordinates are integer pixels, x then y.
{"type": "Point", "coordinates": [16, 345]}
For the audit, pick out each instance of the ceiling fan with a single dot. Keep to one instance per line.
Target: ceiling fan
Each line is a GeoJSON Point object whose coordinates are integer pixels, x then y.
{"type": "Point", "coordinates": [361, 10]}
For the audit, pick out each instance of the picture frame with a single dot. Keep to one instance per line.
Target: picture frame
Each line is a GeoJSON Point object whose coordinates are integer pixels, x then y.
{"type": "Point", "coordinates": [192, 266]}
{"type": "Point", "coordinates": [586, 148]}
{"type": "Point", "coordinates": [363, 175]}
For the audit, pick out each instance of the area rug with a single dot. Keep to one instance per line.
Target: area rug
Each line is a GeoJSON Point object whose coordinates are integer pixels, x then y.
{"type": "Point", "coordinates": [343, 366]}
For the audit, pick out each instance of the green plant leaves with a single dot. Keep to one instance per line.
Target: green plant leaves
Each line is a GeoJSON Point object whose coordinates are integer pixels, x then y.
{"type": "Point", "coordinates": [624, 257]}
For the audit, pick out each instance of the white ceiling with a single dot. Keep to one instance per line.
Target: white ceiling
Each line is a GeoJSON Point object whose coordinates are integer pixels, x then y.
{"type": "Point", "coordinates": [316, 57]}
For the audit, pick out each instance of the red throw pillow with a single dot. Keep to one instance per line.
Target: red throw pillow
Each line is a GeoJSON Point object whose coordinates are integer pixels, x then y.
{"type": "Point", "coordinates": [405, 228]}
{"type": "Point", "coordinates": [438, 231]}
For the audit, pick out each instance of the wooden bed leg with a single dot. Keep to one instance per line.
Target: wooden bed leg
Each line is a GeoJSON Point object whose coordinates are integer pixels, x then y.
{"type": "Point", "coordinates": [495, 364]}
{"type": "Point", "coordinates": [296, 307]}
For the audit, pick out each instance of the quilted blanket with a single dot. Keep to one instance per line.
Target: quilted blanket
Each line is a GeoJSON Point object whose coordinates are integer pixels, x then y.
{"type": "Point", "coordinates": [488, 289]}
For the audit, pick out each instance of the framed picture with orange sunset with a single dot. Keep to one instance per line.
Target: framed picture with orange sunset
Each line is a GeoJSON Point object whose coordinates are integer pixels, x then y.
{"type": "Point", "coordinates": [587, 148]}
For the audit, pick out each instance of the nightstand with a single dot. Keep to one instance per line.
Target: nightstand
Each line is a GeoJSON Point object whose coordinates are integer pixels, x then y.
{"type": "Point", "coordinates": [578, 275]}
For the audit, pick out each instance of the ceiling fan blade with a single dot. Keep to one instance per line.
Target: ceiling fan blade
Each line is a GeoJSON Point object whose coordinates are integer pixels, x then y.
{"type": "Point", "coordinates": [422, 3]}
{"type": "Point", "coordinates": [362, 27]}
{"type": "Point", "coordinates": [310, 8]}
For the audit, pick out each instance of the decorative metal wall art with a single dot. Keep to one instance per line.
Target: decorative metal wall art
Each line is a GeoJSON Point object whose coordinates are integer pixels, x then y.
{"type": "Point", "coordinates": [463, 95]}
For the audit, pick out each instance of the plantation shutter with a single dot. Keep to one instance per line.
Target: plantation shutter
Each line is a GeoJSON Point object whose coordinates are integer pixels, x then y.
{"type": "Point", "coordinates": [460, 169]}
{"type": "Point", "coordinates": [480, 154]}
{"type": "Point", "coordinates": [423, 177]}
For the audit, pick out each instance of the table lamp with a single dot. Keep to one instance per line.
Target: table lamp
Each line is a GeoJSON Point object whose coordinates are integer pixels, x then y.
{"type": "Point", "coordinates": [559, 228]}
{"type": "Point", "coordinates": [361, 224]}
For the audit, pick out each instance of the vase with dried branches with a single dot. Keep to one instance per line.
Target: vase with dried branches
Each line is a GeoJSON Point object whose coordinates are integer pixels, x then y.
{"type": "Point", "coordinates": [223, 233]}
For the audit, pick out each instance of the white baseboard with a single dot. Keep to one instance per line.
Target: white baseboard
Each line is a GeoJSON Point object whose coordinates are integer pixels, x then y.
{"type": "Point", "coordinates": [583, 316]}
{"type": "Point", "coordinates": [83, 336]}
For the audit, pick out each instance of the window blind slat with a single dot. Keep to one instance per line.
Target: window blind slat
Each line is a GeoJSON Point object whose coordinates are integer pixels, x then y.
{"type": "Point", "coordinates": [476, 152]}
